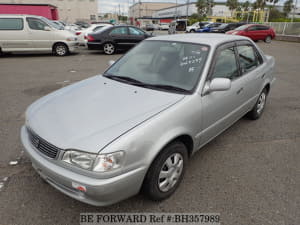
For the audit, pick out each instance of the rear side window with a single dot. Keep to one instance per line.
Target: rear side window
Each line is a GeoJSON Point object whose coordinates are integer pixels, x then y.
{"type": "Point", "coordinates": [248, 58]}
{"type": "Point", "coordinates": [263, 28]}
{"type": "Point", "coordinates": [11, 24]}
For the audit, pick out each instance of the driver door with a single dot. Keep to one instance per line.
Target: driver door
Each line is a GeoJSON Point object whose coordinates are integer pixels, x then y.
{"type": "Point", "coordinates": [41, 39]}
{"type": "Point", "coordinates": [223, 108]}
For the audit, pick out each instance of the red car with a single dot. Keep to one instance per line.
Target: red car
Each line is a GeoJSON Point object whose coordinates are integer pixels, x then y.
{"type": "Point", "coordinates": [255, 32]}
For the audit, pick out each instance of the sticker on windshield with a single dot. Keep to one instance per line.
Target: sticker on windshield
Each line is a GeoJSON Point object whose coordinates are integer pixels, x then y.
{"type": "Point", "coordinates": [204, 49]}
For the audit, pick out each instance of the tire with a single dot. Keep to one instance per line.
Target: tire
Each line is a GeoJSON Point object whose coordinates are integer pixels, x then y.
{"type": "Point", "coordinates": [259, 106]}
{"type": "Point", "coordinates": [165, 174]}
{"type": "Point", "coordinates": [268, 39]}
{"type": "Point", "coordinates": [109, 48]}
{"type": "Point", "coordinates": [60, 49]}
{"type": "Point", "coordinates": [192, 31]}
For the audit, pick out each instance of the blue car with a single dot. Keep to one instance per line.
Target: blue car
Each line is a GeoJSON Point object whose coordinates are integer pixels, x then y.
{"type": "Point", "coordinates": [208, 27]}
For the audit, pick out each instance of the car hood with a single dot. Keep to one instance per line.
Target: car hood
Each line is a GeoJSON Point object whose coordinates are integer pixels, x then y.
{"type": "Point", "coordinates": [92, 113]}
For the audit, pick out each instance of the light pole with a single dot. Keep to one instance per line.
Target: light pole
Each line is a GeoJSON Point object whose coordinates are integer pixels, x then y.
{"type": "Point", "coordinates": [295, 7]}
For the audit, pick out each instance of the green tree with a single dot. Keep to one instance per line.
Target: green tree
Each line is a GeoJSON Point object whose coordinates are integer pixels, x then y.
{"type": "Point", "coordinates": [275, 15]}
{"type": "Point", "coordinates": [246, 5]}
{"type": "Point", "coordinates": [287, 7]}
{"type": "Point", "coordinates": [204, 7]}
{"type": "Point", "coordinates": [232, 5]}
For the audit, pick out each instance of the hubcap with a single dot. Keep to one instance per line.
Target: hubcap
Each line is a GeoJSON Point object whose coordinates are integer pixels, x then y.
{"type": "Point", "coordinates": [109, 48]}
{"type": "Point", "coordinates": [61, 50]}
{"type": "Point", "coordinates": [170, 172]}
{"type": "Point", "coordinates": [261, 102]}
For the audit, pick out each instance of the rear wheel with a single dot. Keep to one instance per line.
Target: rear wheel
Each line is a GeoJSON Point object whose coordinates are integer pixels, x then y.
{"type": "Point", "coordinates": [192, 31]}
{"type": "Point", "coordinates": [166, 172]}
{"type": "Point", "coordinates": [268, 39]}
{"type": "Point", "coordinates": [109, 48]}
{"type": "Point", "coordinates": [60, 49]}
{"type": "Point", "coordinates": [259, 106]}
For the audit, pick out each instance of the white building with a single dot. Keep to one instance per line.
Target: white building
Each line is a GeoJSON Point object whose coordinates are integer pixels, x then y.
{"type": "Point", "coordinates": [220, 9]}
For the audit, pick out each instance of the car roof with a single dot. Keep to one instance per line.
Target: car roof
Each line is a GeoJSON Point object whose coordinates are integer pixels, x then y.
{"type": "Point", "coordinates": [206, 39]}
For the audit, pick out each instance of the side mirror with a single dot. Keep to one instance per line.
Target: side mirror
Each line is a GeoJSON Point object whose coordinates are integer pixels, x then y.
{"type": "Point", "coordinates": [111, 62]}
{"type": "Point", "coordinates": [217, 84]}
{"type": "Point", "coordinates": [46, 28]}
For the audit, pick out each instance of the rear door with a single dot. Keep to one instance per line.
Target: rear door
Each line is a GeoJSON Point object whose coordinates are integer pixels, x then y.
{"type": "Point", "coordinates": [252, 69]}
{"type": "Point", "coordinates": [13, 34]}
{"type": "Point", "coordinates": [120, 36]}
{"type": "Point", "coordinates": [41, 38]}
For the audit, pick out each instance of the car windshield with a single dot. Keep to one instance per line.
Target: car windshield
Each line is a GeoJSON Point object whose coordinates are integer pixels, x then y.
{"type": "Point", "coordinates": [195, 24]}
{"type": "Point", "coordinates": [163, 65]}
{"type": "Point", "coordinates": [241, 27]}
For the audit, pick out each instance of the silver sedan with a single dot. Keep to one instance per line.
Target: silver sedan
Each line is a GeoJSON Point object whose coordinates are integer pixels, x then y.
{"type": "Point", "coordinates": [134, 128]}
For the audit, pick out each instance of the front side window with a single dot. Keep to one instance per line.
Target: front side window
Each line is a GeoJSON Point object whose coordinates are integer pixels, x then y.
{"type": "Point", "coordinates": [134, 31]}
{"type": "Point", "coordinates": [253, 28]}
{"type": "Point", "coordinates": [162, 65]}
{"type": "Point", "coordinates": [247, 57]}
{"type": "Point", "coordinates": [11, 24]}
{"type": "Point", "coordinates": [226, 65]}
{"type": "Point", "coordinates": [119, 31]}
{"type": "Point", "coordinates": [36, 24]}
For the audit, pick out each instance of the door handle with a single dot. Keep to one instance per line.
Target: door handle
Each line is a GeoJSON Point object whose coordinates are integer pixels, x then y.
{"type": "Point", "coordinates": [240, 90]}
{"type": "Point", "coordinates": [263, 76]}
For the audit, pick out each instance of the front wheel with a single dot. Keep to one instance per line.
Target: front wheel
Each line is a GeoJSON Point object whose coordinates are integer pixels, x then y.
{"type": "Point", "coordinates": [259, 106]}
{"type": "Point", "coordinates": [192, 31]}
{"type": "Point", "coordinates": [109, 48]}
{"type": "Point", "coordinates": [60, 49]}
{"type": "Point", "coordinates": [166, 172]}
{"type": "Point", "coordinates": [268, 39]}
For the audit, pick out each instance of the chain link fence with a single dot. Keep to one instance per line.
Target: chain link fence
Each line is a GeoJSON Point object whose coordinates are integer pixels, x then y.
{"type": "Point", "coordinates": [285, 28]}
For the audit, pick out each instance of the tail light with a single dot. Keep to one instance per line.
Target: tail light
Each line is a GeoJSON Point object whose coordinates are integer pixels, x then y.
{"type": "Point", "coordinates": [90, 38]}
{"type": "Point", "coordinates": [78, 33]}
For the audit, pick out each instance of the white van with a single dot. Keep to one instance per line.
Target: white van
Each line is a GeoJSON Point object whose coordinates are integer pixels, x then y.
{"type": "Point", "coordinates": [23, 33]}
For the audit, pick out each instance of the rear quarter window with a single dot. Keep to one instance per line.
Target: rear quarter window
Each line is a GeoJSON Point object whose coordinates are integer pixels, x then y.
{"type": "Point", "coordinates": [11, 24]}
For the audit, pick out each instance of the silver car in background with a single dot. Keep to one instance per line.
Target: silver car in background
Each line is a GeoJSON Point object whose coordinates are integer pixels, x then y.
{"type": "Point", "coordinates": [133, 128]}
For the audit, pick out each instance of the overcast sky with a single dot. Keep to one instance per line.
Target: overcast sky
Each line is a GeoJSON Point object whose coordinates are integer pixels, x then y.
{"type": "Point", "coordinates": [112, 6]}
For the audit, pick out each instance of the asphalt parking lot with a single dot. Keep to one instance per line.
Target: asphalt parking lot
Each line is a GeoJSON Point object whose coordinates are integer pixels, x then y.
{"type": "Point", "coordinates": [250, 174]}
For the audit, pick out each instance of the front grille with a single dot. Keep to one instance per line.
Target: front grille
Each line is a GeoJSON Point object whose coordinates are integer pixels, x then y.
{"type": "Point", "coordinates": [42, 145]}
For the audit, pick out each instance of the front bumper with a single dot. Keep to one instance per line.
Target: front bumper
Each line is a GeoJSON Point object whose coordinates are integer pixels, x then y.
{"type": "Point", "coordinates": [99, 192]}
{"type": "Point", "coordinates": [73, 46]}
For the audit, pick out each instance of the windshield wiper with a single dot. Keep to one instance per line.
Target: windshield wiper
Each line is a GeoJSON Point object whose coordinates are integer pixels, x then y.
{"type": "Point", "coordinates": [123, 78]}
{"type": "Point", "coordinates": [168, 87]}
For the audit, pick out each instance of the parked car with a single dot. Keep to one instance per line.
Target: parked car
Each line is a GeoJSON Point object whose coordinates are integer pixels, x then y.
{"type": "Point", "coordinates": [208, 27]}
{"type": "Point", "coordinates": [82, 34]}
{"type": "Point", "coordinates": [104, 139]}
{"type": "Point", "coordinates": [196, 26]}
{"type": "Point", "coordinates": [111, 39]}
{"type": "Point", "coordinates": [163, 26]}
{"type": "Point", "coordinates": [149, 27]}
{"type": "Point", "coordinates": [24, 33]}
{"type": "Point", "coordinates": [223, 28]}
{"type": "Point", "coordinates": [255, 32]}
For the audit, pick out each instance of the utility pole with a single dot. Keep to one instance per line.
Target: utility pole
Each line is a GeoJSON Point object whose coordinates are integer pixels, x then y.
{"type": "Point", "coordinates": [294, 13]}
{"type": "Point", "coordinates": [187, 9]}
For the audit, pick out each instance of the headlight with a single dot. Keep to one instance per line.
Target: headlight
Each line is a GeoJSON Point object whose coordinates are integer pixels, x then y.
{"type": "Point", "coordinates": [94, 162]}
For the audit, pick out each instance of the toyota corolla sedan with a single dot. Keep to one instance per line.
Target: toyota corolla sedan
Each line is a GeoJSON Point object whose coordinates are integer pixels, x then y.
{"type": "Point", "coordinates": [134, 127]}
